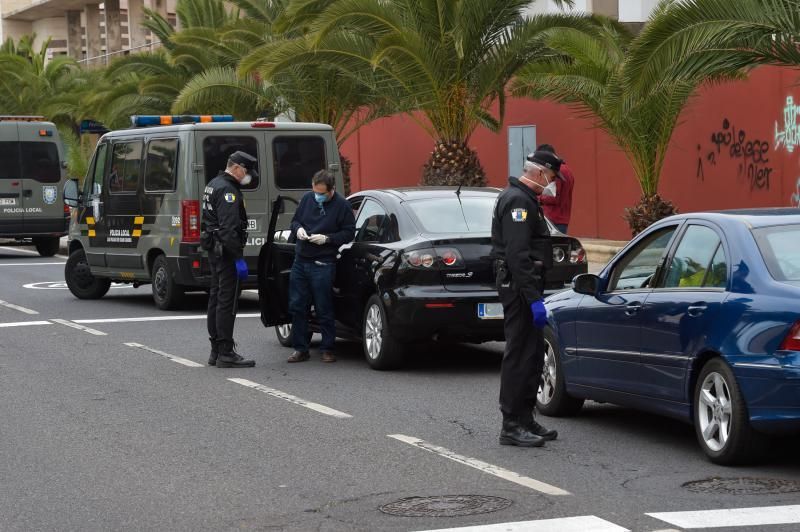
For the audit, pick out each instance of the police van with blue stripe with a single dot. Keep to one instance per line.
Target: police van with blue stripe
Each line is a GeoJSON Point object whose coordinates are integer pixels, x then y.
{"type": "Point", "coordinates": [136, 216]}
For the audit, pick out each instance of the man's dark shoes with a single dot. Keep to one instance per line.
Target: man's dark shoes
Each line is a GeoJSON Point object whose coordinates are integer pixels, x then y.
{"type": "Point", "coordinates": [514, 433]}
{"type": "Point", "coordinates": [327, 356]}
{"type": "Point", "coordinates": [212, 358]}
{"type": "Point", "coordinates": [229, 358]}
{"type": "Point", "coordinates": [545, 434]}
{"type": "Point", "coordinates": [298, 356]}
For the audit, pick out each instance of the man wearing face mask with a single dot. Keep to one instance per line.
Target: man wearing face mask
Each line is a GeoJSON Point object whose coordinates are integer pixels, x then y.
{"type": "Point", "coordinates": [322, 223]}
{"type": "Point", "coordinates": [224, 235]}
{"type": "Point", "coordinates": [522, 253]}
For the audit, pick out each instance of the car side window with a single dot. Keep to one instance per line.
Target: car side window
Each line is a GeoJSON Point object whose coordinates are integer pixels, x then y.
{"type": "Point", "coordinates": [638, 267]}
{"type": "Point", "coordinates": [94, 181]}
{"type": "Point", "coordinates": [126, 165]}
{"type": "Point", "coordinates": [372, 223]}
{"type": "Point", "coordinates": [699, 260]}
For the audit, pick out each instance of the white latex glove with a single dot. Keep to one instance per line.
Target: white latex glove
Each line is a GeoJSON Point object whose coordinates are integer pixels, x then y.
{"type": "Point", "coordinates": [301, 234]}
{"type": "Point", "coordinates": [318, 239]}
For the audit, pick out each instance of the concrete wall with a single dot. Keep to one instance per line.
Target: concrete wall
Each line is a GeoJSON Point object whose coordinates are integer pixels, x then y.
{"type": "Point", "coordinates": [724, 154]}
{"type": "Point", "coordinates": [55, 28]}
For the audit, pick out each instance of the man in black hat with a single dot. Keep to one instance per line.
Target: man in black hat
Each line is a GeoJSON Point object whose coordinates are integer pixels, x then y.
{"type": "Point", "coordinates": [224, 235]}
{"type": "Point", "coordinates": [522, 253]}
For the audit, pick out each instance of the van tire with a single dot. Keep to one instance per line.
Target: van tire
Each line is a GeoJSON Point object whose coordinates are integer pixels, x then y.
{"type": "Point", "coordinates": [167, 294]}
{"type": "Point", "coordinates": [80, 280]}
{"type": "Point", "coordinates": [47, 246]}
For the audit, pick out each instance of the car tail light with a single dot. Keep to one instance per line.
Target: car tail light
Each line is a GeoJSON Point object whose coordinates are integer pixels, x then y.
{"type": "Point", "coordinates": [577, 255]}
{"type": "Point", "coordinates": [558, 254]}
{"type": "Point", "coordinates": [792, 340]}
{"type": "Point", "coordinates": [433, 258]}
{"type": "Point", "coordinates": [190, 221]}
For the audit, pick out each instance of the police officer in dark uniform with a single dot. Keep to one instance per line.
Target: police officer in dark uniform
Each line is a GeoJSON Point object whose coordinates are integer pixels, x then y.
{"type": "Point", "coordinates": [522, 252]}
{"type": "Point", "coordinates": [224, 235]}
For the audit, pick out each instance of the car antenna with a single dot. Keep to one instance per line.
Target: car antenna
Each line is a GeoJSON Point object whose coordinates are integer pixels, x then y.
{"type": "Point", "coordinates": [458, 191]}
{"type": "Point", "coordinates": [458, 195]}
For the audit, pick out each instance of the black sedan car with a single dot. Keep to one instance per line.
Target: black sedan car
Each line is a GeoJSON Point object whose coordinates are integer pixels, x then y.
{"type": "Point", "coordinates": [418, 269]}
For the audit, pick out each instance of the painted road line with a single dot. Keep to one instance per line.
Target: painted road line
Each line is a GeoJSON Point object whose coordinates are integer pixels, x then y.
{"type": "Point", "coordinates": [322, 409]}
{"type": "Point", "coordinates": [28, 251]}
{"type": "Point", "coordinates": [738, 517]}
{"type": "Point", "coordinates": [26, 264]}
{"type": "Point", "coordinates": [584, 523]}
{"type": "Point", "coordinates": [500, 472]}
{"type": "Point", "coordinates": [17, 307]}
{"type": "Point", "coordinates": [25, 323]}
{"type": "Point", "coordinates": [179, 360]}
{"type": "Point", "coordinates": [74, 325]}
{"type": "Point", "coordinates": [158, 318]}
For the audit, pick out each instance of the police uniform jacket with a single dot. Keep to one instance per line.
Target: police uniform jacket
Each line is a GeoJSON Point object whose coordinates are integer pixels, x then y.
{"type": "Point", "coordinates": [224, 214]}
{"type": "Point", "coordinates": [521, 244]}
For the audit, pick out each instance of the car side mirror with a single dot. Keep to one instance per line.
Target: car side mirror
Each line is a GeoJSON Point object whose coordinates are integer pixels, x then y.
{"type": "Point", "coordinates": [72, 195]}
{"type": "Point", "coordinates": [586, 283]}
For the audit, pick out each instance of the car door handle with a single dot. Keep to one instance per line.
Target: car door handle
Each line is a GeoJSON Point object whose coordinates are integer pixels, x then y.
{"type": "Point", "coordinates": [697, 309]}
{"type": "Point", "coordinates": [633, 308]}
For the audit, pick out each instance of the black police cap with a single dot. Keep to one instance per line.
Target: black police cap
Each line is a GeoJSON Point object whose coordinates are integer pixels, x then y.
{"type": "Point", "coordinates": [246, 160]}
{"type": "Point", "coordinates": [549, 160]}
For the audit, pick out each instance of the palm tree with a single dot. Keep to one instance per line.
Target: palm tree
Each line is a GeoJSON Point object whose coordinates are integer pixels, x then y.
{"type": "Point", "coordinates": [445, 62]}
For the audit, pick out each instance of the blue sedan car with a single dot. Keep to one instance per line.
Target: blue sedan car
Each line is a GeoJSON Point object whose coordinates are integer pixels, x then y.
{"type": "Point", "coordinates": [698, 318]}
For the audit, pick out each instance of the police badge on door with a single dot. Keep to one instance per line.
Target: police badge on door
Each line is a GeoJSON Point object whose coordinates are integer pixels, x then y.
{"type": "Point", "coordinates": [49, 195]}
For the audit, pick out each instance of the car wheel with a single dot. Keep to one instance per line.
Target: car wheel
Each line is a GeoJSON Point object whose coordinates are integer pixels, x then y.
{"type": "Point", "coordinates": [552, 398]}
{"type": "Point", "coordinates": [284, 334]}
{"type": "Point", "coordinates": [80, 280]}
{"type": "Point", "coordinates": [167, 294]}
{"type": "Point", "coordinates": [381, 349]}
{"type": "Point", "coordinates": [720, 416]}
{"type": "Point", "coordinates": [47, 246]}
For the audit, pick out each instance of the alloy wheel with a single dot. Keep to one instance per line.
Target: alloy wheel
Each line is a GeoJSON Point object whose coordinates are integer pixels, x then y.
{"type": "Point", "coordinates": [715, 411]}
{"type": "Point", "coordinates": [285, 330]}
{"type": "Point", "coordinates": [373, 332]}
{"type": "Point", "coordinates": [547, 386]}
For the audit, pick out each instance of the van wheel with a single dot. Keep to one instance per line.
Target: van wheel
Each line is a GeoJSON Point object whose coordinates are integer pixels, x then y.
{"type": "Point", "coordinates": [284, 334]}
{"type": "Point", "coordinates": [80, 280]}
{"type": "Point", "coordinates": [381, 349]}
{"type": "Point", "coordinates": [167, 293]}
{"type": "Point", "coordinates": [552, 398]}
{"type": "Point", "coordinates": [47, 246]}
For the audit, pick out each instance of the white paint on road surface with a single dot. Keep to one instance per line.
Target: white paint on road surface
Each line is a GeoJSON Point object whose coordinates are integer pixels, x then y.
{"type": "Point", "coordinates": [159, 318]}
{"type": "Point", "coordinates": [179, 360]}
{"type": "Point", "coordinates": [17, 307]}
{"type": "Point", "coordinates": [62, 285]}
{"type": "Point", "coordinates": [28, 251]}
{"type": "Point", "coordinates": [584, 523]}
{"type": "Point", "coordinates": [738, 517]}
{"type": "Point", "coordinates": [74, 325]}
{"type": "Point", "coordinates": [26, 264]}
{"type": "Point", "coordinates": [24, 323]}
{"type": "Point", "coordinates": [322, 409]}
{"type": "Point", "coordinates": [500, 472]}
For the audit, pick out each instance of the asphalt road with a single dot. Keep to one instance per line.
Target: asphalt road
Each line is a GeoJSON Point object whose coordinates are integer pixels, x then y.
{"type": "Point", "coordinates": [96, 434]}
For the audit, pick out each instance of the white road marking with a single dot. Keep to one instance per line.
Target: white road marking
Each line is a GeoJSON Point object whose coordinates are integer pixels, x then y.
{"type": "Point", "coordinates": [17, 307]}
{"type": "Point", "coordinates": [322, 409]}
{"type": "Point", "coordinates": [739, 517]}
{"type": "Point", "coordinates": [179, 360]}
{"type": "Point", "coordinates": [583, 523]}
{"type": "Point", "coordinates": [28, 251]}
{"type": "Point", "coordinates": [79, 327]}
{"type": "Point", "coordinates": [62, 285]}
{"type": "Point", "coordinates": [500, 472]}
{"type": "Point", "coordinates": [26, 264]}
{"type": "Point", "coordinates": [24, 323]}
{"type": "Point", "coordinates": [158, 318]}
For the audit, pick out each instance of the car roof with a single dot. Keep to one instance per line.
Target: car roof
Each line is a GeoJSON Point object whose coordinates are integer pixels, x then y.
{"type": "Point", "coordinates": [762, 217]}
{"type": "Point", "coordinates": [220, 126]}
{"type": "Point", "coordinates": [415, 193]}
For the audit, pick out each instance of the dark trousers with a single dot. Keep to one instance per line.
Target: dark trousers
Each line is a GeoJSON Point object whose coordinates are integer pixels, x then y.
{"type": "Point", "coordinates": [522, 360]}
{"type": "Point", "coordinates": [222, 298]}
{"type": "Point", "coordinates": [312, 281]}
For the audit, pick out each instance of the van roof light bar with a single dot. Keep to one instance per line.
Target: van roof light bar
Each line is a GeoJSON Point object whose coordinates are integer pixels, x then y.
{"type": "Point", "coordinates": [12, 118]}
{"type": "Point", "coordinates": [167, 120]}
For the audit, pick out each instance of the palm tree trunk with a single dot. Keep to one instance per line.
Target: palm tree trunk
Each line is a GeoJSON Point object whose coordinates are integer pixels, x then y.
{"type": "Point", "coordinates": [453, 163]}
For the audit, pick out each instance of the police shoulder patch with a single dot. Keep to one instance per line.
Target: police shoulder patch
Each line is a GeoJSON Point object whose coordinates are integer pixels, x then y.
{"type": "Point", "coordinates": [519, 215]}
{"type": "Point", "coordinates": [230, 197]}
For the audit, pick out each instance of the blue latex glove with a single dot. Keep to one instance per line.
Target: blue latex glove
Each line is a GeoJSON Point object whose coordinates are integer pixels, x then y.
{"type": "Point", "coordinates": [539, 314]}
{"type": "Point", "coordinates": [241, 269]}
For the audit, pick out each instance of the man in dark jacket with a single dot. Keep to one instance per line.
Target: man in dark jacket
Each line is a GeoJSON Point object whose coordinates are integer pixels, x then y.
{"type": "Point", "coordinates": [558, 208]}
{"type": "Point", "coordinates": [322, 223]}
{"type": "Point", "coordinates": [522, 253]}
{"type": "Point", "coordinates": [224, 235]}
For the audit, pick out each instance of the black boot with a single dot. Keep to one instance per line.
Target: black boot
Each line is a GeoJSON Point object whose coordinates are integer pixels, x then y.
{"type": "Point", "coordinates": [229, 358]}
{"type": "Point", "coordinates": [516, 433]}
{"type": "Point", "coordinates": [212, 357]}
{"type": "Point", "coordinates": [545, 434]}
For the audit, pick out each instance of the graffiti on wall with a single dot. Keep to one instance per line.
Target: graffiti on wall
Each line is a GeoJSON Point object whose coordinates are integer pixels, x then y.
{"type": "Point", "coordinates": [790, 136]}
{"type": "Point", "coordinates": [733, 144]}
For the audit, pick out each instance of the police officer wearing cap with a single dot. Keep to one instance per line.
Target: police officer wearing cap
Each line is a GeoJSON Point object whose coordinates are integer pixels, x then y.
{"type": "Point", "coordinates": [522, 253]}
{"type": "Point", "coordinates": [224, 235]}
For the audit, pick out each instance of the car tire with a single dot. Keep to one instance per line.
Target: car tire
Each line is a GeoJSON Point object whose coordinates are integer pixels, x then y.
{"type": "Point", "coordinates": [284, 334]}
{"type": "Point", "coordinates": [167, 294]}
{"type": "Point", "coordinates": [47, 246]}
{"type": "Point", "coordinates": [552, 398]}
{"type": "Point", "coordinates": [721, 421]}
{"type": "Point", "coordinates": [381, 349]}
{"type": "Point", "coordinates": [80, 280]}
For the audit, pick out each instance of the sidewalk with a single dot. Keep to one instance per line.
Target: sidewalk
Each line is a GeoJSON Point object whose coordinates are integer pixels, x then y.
{"type": "Point", "coordinates": [599, 251]}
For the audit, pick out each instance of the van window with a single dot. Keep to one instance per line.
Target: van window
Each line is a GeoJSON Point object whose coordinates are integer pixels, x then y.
{"type": "Point", "coordinates": [296, 160]}
{"type": "Point", "coordinates": [94, 181]}
{"type": "Point", "coordinates": [40, 161]}
{"type": "Point", "coordinates": [126, 163]}
{"type": "Point", "coordinates": [9, 160]}
{"type": "Point", "coordinates": [159, 171]}
{"type": "Point", "coordinates": [217, 149]}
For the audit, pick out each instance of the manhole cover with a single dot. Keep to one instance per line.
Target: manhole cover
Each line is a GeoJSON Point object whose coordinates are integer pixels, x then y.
{"type": "Point", "coordinates": [445, 506]}
{"type": "Point", "coordinates": [743, 485]}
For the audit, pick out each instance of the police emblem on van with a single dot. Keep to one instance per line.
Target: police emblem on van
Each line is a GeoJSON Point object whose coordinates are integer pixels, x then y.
{"type": "Point", "coordinates": [49, 195]}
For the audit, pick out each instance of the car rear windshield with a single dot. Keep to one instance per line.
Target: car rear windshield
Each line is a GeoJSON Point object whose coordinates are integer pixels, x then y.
{"type": "Point", "coordinates": [778, 245]}
{"type": "Point", "coordinates": [448, 215]}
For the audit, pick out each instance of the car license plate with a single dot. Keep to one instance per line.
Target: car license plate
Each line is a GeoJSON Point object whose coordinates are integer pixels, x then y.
{"type": "Point", "coordinates": [8, 201]}
{"type": "Point", "coordinates": [490, 311]}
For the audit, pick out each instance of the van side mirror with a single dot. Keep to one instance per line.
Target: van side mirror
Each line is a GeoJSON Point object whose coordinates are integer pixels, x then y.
{"type": "Point", "coordinates": [64, 165]}
{"type": "Point", "coordinates": [586, 283]}
{"type": "Point", "coordinates": [72, 195]}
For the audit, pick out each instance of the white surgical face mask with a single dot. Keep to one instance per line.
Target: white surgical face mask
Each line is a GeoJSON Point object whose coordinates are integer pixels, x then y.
{"type": "Point", "coordinates": [550, 189]}
{"type": "Point", "coordinates": [246, 180]}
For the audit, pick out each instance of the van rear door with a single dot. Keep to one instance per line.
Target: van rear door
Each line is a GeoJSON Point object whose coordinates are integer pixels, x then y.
{"type": "Point", "coordinates": [40, 162]}
{"type": "Point", "coordinates": [11, 214]}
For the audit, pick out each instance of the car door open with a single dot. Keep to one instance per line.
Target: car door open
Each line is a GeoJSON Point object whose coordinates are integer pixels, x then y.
{"type": "Point", "coordinates": [274, 267]}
